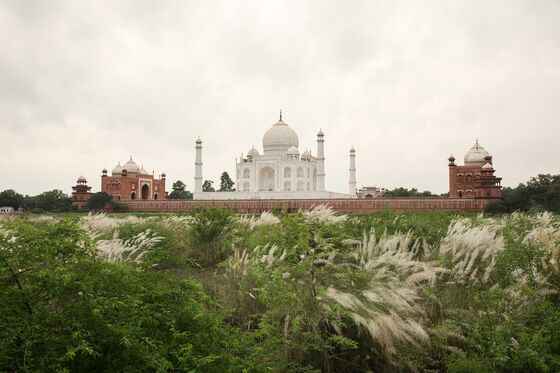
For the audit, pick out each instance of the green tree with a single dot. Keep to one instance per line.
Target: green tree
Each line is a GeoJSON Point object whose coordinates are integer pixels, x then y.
{"type": "Point", "coordinates": [54, 200]}
{"type": "Point", "coordinates": [226, 184]}
{"type": "Point", "coordinates": [98, 201]}
{"type": "Point", "coordinates": [179, 191]}
{"type": "Point", "coordinates": [207, 186]}
{"type": "Point", "coordinates": [405, 192]}
{"type": "Point", "coordinates": [11, 198]}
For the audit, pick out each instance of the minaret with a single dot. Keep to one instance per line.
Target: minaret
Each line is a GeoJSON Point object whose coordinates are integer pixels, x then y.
{"type": "Point", "coordinates": [320, 162]}
{"type": "Point", "coordinates": [352, 182]}
{"type": "Point", "coordinates": [198, 167]}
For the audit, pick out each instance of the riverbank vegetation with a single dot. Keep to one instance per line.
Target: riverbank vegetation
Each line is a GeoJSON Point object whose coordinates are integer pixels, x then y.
{"type": "Point", "coordinates": [308, 291]}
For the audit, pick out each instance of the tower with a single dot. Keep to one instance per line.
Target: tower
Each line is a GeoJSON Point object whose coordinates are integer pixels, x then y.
{"type": "Point", "coordinates": [352, 181]}
{"type": "Point", "coordinates": [320, 161]}
{"type": "Point", "coordinates": [198, 167]}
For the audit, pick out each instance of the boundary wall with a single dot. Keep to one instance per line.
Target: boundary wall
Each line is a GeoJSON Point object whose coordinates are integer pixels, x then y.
{"type": "Point", "coordinates": [340, 205]}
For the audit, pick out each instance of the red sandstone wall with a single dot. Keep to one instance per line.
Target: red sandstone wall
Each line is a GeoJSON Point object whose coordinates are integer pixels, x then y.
{"type": "Point", "coordinates": [341, 205]}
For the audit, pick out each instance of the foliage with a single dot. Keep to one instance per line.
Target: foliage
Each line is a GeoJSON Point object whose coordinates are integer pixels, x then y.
{"type": "Point", "coordinates": [54, 200]}
{"type": "Point", "coordinates": [541, 193]}
{"type": "Point", "coordinates": [307, 291]}
{"type": "Point", "coordinates": [70, 312]}
{"type": "Point", "coordinates": [405, 192]}
{"type": "Point", "coordinates": [98, 201]}
{"type": "Point", "coordinates": [11, 198]}
{"type": "Point", "coordinates": [226, 184]}
{"type": "Point", "coordinates": [210, 230]}
{"type": "Point", "coordinates": [207, 186]}
{"type": "Point", "coordinates": [179, 191]}
{"type": "Point", "coordinates": [117, 206]}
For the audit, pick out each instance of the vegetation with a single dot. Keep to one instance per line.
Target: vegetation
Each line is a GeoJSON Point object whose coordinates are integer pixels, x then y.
{"type": "Point", "coordinates": [98, 201]}
{"type": "Point", "coordinates": [405, 192]}
{"type": "Point", "coordinates": [207, 186]}
{"type": "Point", "coordinates": [226, 184]}
{"type": "Point", "coordinates": [179, 191]}
{"type": "Point", "coordinates": [541, 193]}
{"type": "Point", "coordinates": [54, 200]}
{"type": "Point", "coordinates": [308, 291]}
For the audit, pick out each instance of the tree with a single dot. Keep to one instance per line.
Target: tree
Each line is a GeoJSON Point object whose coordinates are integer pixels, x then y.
{"type": "Point", "coordinates": [405, 192]}
{"type": "Point", "coordinates": [54, 200]}
{"type": "Point", "coordinates": [226, 184]}
{"type": "Point", "coordinates": [179, 191]}
{"type": "Point", "coordinates": [11, 198]}
{"type": "Point", "coordinates": [98, 201]}
{"type": "Point", "coordinates": [207, 186]}
{"type": "Point", "coordinates": [540, 193]}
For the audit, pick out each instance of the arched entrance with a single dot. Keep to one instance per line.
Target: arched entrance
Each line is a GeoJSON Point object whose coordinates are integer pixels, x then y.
{"type": "Point", "coordinates": [266, 179]}
{"type": "Point", "coordinates": [145, 191]}
{"type": "Point", "coordinates": [132, 195]}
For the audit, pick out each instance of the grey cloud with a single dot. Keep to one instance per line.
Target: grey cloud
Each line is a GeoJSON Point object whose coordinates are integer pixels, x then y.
{"type": "Point", "coordinates": [85, 84]}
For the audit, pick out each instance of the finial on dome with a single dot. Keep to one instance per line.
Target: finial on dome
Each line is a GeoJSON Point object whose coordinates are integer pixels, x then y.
{"type": "Point", "coordinates": [280, 114]}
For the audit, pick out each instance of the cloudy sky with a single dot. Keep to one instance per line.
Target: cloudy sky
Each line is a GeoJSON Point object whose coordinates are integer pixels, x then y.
{"type": "Point", "coordinates": [86, 84]}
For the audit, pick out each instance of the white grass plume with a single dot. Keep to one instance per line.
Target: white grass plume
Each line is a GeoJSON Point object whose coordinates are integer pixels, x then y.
{"type": "Point", "coordinates": [473, 250]}
{"type": "Point", "coordinates": [251, 222]}
{"type": "Point", "coordinates": [323, 214]}
{"type": "Point", "coordinates": [127, 251]}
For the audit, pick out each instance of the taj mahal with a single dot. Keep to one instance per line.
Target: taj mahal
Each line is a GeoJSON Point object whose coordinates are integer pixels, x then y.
{"type": "Point", "coordinates": [280, 172]}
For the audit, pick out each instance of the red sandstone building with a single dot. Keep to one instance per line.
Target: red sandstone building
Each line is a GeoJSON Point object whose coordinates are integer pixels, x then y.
{"type": "Point", "coordinates": [131, 182]}
{"type": "Point", "coordinates": [81, 193]}
{"type": "Point", "coordinates": [476, 178]}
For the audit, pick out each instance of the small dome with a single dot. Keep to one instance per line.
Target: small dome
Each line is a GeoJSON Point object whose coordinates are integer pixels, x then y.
{"type": "Point", "coordinates": [131, 166]}
{"type": "Point", "coordinates": [279, 138]}
{"type": "Point", "coordinates": [143, 171]}
{"type": "Point", "coordinates": [320, 133]}
{"type": "Point", "coordinates": [117, 170]}
{"type": "Point", "coordinates": [487, 166]}
{"type": "Point", "coordinates": [292, 151]}
{"type": "Point", "coordinates": [306, 154]}
{"type": "Point", "coordinates": [253, 152]}
{"type": "Point", "coordinates": [476, 154]}
{"type": "Point", "coordinates": [82, 179]}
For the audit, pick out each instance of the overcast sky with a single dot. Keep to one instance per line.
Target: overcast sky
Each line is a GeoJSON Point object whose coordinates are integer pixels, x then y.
{"type": "Point", "coordinates": [86, 84]}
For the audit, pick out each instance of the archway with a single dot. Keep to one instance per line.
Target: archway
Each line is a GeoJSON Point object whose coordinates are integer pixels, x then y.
{"type": "Point", "coordinates": [369, 196]}
{"type": "Point", "coordinates": [145, 191]}
{"type": "Point", "coordinates": [133, 195]}
{"type": "Point", "coordinates": [155, 196]}
{"type": "Point", "coordinates": [267, 181]}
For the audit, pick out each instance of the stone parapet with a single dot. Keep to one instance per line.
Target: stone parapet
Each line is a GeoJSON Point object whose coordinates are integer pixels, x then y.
{"type": "Point", "coordinates": [340, 205]}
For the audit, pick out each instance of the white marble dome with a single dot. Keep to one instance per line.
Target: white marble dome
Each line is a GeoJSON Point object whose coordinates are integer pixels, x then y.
{"type": "Point", "coordinates": [117, 170]}
{"type": "Point", "coordinates": [279, 138]}
{"type": "Point", "coordinates": [131, 167]}
{"type": "Point", "coordinates": [476, 154]}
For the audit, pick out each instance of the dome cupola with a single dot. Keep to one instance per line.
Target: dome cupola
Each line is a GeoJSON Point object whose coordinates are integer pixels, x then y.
{"type": "Point", "coordinates": [279, 138]}
{"type": "Point", "coordinates": [253, 152]}
{"type": "Point", "coordinates": [131, 166]}
{"type": "Point", "coordinates": [117, 170]}
{"type": "Point", "coordinates": [476, 155]}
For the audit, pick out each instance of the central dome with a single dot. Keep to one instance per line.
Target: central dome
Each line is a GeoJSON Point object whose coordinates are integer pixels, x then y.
{"type": "Point", "coordinates": [476, 155]}
{"type": "Point", "coordinates": [279, 138]}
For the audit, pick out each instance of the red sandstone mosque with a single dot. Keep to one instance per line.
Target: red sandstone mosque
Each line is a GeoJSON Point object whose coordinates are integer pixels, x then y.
{"type": "Point", "coordinates": [130, 181]}
{"type": "Point", "coordinates": [476, 178]}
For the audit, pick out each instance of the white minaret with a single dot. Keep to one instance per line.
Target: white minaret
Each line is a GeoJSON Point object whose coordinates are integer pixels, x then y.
{"type": "Point", "coordinates": [320, 162]}
{"type": "Point", "coordinates": [352, 181]}
{"type": "Point", "coordinates": [198, 167]}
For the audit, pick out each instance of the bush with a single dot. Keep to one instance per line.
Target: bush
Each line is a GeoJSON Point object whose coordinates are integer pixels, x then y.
{"type": "Point", "coordinates": [118, 206]}
{"type": "Point", "coordinates": [210, 230]}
